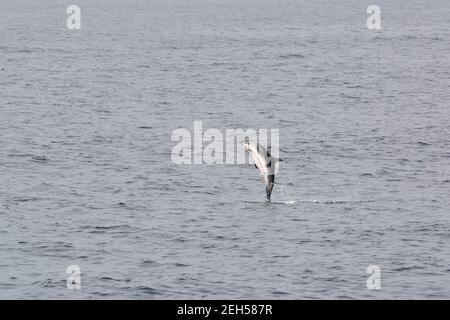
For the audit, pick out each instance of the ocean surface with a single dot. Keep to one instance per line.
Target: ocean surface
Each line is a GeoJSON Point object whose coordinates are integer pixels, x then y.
{"type": "Point", "coordinates": [86, 176]}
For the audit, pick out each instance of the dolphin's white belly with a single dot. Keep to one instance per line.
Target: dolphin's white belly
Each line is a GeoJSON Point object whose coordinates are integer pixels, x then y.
{"type": "Point", "coordinates": [260, 163]}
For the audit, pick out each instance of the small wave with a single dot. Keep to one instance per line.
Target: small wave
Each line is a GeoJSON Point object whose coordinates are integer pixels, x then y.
{"type": "Point", "coordinates": [292, 202]}
{"type": "Point", "coordinates": [104, 229]}
{"type": "Point", "coordinates": [366, 174]}
{"type": "Point", "coordinates": [335, 201]}
{"type": "Point", "coordinates": [280, 293]}
{"type": "Point", "coordinates": [178, 264]}
{"type": "Point", "coordinates": [148, 290]}
{"type": "Point", "coordinates": [113, 227]}
{"type": "Point", "coordinates": [49, 283]}
{"type": "Point", "coordinates": [399, 269]}
{"type": "Point", "coordinates": [24, 199]}
{"type": "Point", "coordinates": [20, 155]}
{"type": "Point", "coordinates": [40, 159]}
{"type": "Point", "coordinates": [113, 279]}
{"type": "Point", "coordinates": [293, 55]}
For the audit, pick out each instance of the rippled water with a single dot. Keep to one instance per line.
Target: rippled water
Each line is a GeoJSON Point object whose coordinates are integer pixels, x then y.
{"type": "Point", "coordinates": [86, 175]}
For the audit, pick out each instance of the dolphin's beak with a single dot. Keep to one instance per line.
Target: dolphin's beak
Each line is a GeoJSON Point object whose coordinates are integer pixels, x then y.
{"type": "Point", "coordinates": [244, 145]}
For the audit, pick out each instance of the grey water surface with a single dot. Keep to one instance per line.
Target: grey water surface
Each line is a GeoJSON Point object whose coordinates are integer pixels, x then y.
{"type": "Point", "coordinates": [86, 176]}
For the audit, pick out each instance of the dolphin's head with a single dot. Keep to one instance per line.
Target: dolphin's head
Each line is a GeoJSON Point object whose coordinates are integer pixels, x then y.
{"type": "Point", "coordinates": [251, 147]}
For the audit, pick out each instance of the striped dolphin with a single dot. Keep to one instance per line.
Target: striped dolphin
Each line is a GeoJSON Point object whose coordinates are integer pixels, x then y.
{"type": "Point", "coordinates": [265, 163]}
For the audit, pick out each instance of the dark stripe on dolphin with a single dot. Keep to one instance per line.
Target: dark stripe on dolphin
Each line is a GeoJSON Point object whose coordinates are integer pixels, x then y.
{"type": "Point", "coordinates": [269, 186]}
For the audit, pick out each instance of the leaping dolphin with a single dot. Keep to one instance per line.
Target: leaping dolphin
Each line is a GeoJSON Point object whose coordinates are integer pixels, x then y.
{"type": "Point", "coordinates": [265, 163]}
